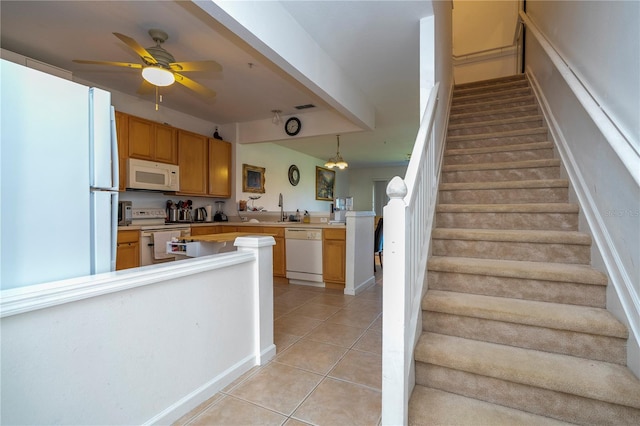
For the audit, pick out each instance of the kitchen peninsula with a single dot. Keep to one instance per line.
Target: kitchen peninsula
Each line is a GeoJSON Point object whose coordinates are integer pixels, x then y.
{"type": "Point", "coordinates": [346, 257]}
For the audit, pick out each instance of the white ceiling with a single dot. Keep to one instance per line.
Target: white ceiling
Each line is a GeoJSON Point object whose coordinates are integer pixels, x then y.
{"type": "Point", "coordinates": [374, 43]}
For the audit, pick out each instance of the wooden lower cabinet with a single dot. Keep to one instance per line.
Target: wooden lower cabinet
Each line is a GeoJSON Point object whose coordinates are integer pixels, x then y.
{"type": "Point", "coordinates": [334, 252]}
{"type": "Point", "coordinates": [128, 250]}
{"type": "Point", "coordinates": [279, 254]}
{"type": "Point", "coordinates": [205, 230]}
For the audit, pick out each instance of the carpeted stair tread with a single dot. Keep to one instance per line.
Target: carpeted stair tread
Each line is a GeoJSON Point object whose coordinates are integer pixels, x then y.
{"type": "Point", "coordinates": [524, 164]}
{"type": "Point", "coordinates": [527, 110]}
{"type": "Point", "coordinates": [509, 184]}
{"type": "Point", "coordinates": [529, 236]}
{"type": "Point", "coordinates": [547, 271]}
{"type": "Point", "coordinates": [493, 82]}
{"type": "Point", "coordinates": [497, 135]}
{"type": "Point", "coordinates": [590, 379]}
{"type": "Point", "coordinates": [498, 148]}
{"type": "Point", "coordinates": [435, 407]}
{"type": "Point", "coordinates": [497, 86]}
{"type": "Point", "coordinates": [499, 103]}
{"type": "Point", "coordinates": [494, 122]}
{"type": "Point", "coordinates": [469, 98]}
{"type": "Point", "coordinates": [509, 208]}
{"type": "Point", "coordinates": [581, 319]}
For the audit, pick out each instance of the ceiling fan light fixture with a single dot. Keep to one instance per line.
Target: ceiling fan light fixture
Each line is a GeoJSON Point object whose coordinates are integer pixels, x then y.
{"type": "Point", "coordinates": [158, 76]}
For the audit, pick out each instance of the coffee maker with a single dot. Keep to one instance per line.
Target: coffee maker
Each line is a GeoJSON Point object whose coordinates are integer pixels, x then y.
{"type": "Point", "coordinates": [220, 216]}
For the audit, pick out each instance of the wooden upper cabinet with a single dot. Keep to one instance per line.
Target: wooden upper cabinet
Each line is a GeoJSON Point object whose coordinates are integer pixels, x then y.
{"type": "Point", "coordinates": [122, 132]}
{"type": "Point", "coordinates": [193, 162]}
{"type": "Point", "coordinates": [166, 144]}
{"type": "Point", "coordinates": [152, 141]}
{"type": "Point", "coordinates": [219, 168]}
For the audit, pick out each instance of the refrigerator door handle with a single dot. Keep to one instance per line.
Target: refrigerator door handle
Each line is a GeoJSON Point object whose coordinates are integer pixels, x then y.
{"type": "Point", "coordinates": [115, 166]}
{"type": "Point", "coordinates": [114, 228]}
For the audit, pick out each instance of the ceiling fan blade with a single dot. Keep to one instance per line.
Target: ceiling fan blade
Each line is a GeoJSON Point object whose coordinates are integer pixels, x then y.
{"type": "Point", "coordinates": [145, 88]}
{"type": "Point", "coordinates": [196, 87]}
{"type": "Point", "coordinates": [195, 66]}
{"type": "Point", "coordinates": [116, 64]}
{"type": "Point", "coordinates": [141, 51]}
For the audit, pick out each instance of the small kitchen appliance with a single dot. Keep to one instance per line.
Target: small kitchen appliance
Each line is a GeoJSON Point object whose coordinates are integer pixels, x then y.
{"type": "Point", "coordinates": [220, 216]}
{"type": "Point", "coordinates": [124, 213]}
{"type": "Point", "coordinates": [201, 214]}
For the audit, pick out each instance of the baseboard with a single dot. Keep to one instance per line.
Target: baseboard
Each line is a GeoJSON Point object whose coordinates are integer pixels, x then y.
{"type": "Point", "coordinates": [266, 355]}
{"type": "Point", "coordinates": [618, 275]}
{"type": "Point", "coordinates": [204, 392]}
{"type": "Point", "coordinates": [361, 287]}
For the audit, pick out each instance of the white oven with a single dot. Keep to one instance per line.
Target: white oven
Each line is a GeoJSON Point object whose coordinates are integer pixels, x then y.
{"type": "Point", "coordinates": [149, 234]}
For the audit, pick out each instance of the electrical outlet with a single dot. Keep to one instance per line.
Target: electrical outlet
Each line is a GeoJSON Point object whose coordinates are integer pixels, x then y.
{"type": "Point", "coordinates": [323, 220]}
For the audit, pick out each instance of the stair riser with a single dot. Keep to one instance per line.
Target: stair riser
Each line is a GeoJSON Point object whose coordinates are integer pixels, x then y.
{"type": "Point", "coordinates": [491, 128]}
{"type": "Point", "coordinates": [499, 157]}
{"type": "Point", "coordinates": [558, 405]}
{"type": "Point", "coordinates": [473, 98]}
{"type": "Point", "coordinates": [498, 114]}
{"type": "Point", "coordinates": [519, 288]}
{"type": "Point", "coordinates": [540, 221]}
{"type": "Point", "coordinates": [501, 175]}
{"type": "Point", "coordinates": [602, 348]}
{"type": "Point", "coordinates": [492, 105]}
{"type": "Point", "coordinates": [505, 196]}
{"type": "Point", "coordinates": [507, 250]}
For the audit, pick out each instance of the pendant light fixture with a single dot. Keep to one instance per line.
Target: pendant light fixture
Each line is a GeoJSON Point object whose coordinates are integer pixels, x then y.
{"type": "Point", "coordinates": [276, 117]}
{"type": "Point", "coordinates": [337, 161]}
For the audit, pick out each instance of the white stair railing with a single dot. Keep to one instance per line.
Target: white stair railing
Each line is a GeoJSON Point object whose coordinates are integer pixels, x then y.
{"type": "Point", "coordinates": [408, 221]}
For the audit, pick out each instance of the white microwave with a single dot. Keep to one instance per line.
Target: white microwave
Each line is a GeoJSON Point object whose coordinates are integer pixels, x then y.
{"type": "Point", "coordinates": [152, 176]}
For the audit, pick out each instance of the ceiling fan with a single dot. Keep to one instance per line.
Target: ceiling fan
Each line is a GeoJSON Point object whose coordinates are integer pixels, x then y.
{"type": "Point", "coordinates": [159, 67]}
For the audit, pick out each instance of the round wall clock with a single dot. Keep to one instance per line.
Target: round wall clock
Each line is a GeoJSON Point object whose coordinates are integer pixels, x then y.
{"type": "Point", "coordinates": [292, 126]}
{"type": "Point", "coordinates": [294, 175]}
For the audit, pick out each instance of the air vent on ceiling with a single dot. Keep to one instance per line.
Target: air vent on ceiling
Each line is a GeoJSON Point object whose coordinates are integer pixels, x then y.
{"type": "Point", "coordinates": [307, 106]}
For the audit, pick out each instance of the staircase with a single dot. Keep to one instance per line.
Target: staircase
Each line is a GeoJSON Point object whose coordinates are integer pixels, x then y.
{"type": "Point", "coordinates": [514, 325]}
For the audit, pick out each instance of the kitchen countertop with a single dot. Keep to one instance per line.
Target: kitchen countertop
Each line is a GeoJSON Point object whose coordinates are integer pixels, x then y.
{"type": "Point", "coordinates": [256, 224]}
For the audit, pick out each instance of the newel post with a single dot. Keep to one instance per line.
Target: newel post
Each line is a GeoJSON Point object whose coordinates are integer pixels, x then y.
{"type": "Point", "coordinates": [395, 368]}
{"type": "Point", "coordinates": [263, 294]}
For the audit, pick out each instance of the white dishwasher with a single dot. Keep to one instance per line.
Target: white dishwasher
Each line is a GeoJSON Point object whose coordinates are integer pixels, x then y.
{"type": "Point", "coordinates": [304, 256]}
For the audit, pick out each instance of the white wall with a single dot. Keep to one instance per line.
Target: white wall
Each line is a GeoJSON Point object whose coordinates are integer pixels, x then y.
{"type": "Point", "coordinates": [608, 193]}
{"type": "Point", "coordinates": [361, 184]}
{"type": "Point", "coordinates": [276, 161]}
{"type": "Point", "coordinates": [137, 346]}
{"type": "Point", "coordinates": [478, 26]}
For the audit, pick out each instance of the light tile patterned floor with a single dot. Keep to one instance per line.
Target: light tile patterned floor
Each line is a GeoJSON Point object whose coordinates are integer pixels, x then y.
{"type": "Point", "coordinates": [327, 370]}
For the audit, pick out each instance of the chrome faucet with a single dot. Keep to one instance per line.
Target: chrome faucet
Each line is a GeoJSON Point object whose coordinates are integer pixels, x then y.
{"type": "Point", "coordinates": [281, 205]}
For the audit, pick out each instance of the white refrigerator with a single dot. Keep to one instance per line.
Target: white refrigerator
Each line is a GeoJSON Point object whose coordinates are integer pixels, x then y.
{"type": "Point", "coordinates": [58, 181]}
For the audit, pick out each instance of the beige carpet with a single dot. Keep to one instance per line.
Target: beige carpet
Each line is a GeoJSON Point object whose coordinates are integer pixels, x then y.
{"type": "Point", "coordinates": [515, 329]}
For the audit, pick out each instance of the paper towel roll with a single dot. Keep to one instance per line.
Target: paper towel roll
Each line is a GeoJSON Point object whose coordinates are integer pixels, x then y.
{"type": "Point", "coordinates": [209, 213]}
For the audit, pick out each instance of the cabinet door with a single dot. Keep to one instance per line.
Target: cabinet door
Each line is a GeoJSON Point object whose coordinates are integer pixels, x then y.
{"type": "Point", "coordinates": [166, 145]}
{"type": "Point", "coordinates": [128, 250]}
{"type": "Point", "coordinates": [334, 252]}
{"type": "Point", "coordinates": [127, 256]}
{"type": "Point", "coordinates": [219, 168]}
{"type": "Point", "coordinates": [122, 132]}
{"type": "Point", "coordinates": [192, 159]}
{"type": "Point", "coordinates": [141, 138]}
{"type": "Point", "coordinates": [279, 258]}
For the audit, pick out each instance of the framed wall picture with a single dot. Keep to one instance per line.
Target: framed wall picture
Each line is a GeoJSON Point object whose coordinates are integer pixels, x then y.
{"type": "Point", "coordinates": [252, 179]}
{"type": "Point", "coordinates": [325, 183]}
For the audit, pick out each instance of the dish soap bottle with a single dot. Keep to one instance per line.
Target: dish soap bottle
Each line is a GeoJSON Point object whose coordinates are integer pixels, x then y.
{"type": "Point", "coordinates": [307, 218]}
